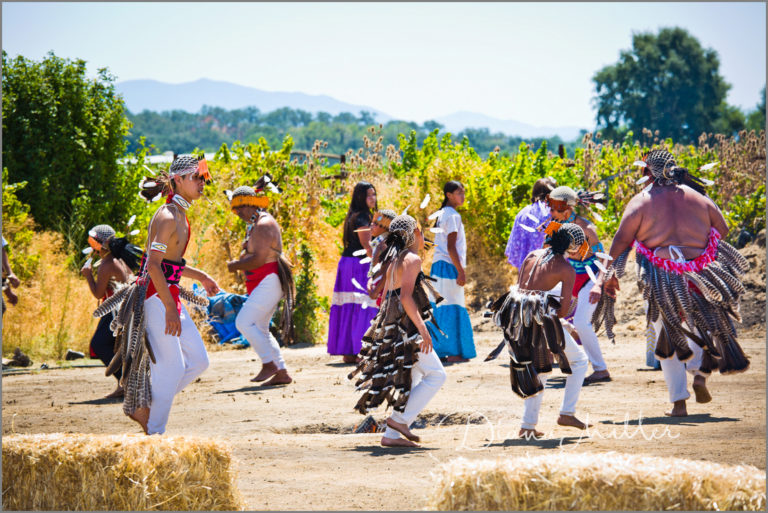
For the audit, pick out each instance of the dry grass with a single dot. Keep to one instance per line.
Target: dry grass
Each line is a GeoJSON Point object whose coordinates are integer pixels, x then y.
{"type": "Point", "coordinates": [607, 481]}
{"type": "Point", "coordinates": [55, 307]}
{"type": "Point", "coordinates": [120, 473]}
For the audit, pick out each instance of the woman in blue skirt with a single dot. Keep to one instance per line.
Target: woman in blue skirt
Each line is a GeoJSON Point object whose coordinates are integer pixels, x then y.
{"type": "Point", "coordinates": [448, 268]}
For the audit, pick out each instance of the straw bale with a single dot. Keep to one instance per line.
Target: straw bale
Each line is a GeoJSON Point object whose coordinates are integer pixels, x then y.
{"type": "Point", "coordinates": [116, 472]}
{"type": "Point", "coordinates": [596, 481]}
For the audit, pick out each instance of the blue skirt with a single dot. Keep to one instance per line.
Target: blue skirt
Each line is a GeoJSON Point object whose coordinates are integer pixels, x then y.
{"type": "Point", "coordinates": [451, 315]}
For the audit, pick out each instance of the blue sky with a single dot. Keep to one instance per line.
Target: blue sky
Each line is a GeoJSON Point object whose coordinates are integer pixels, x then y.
{"type": "Point", "coordinates": [531, 62]}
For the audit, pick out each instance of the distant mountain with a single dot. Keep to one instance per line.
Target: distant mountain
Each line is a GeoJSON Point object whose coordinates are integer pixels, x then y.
{"type": "Point", "coordinates": [460, 120]}
{"type": "Point", "coordinates": [157, 96]}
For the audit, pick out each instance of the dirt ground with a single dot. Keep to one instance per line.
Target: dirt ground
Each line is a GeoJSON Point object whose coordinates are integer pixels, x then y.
{"type": "Point", "coordinates": [294, 448]}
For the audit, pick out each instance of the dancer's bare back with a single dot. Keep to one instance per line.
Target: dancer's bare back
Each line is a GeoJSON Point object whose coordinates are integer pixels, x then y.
{"type": "Point", "coordinates": [671, 215]}
{"type": "Point", "coordinates": [535, 275]}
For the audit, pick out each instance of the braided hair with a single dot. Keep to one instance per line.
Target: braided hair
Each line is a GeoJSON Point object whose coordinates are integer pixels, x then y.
{"type": "Point", "coordinates": [665, 171]}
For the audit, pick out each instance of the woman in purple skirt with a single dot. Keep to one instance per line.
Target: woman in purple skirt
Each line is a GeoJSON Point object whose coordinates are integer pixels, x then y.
{"type": "Point", "coordinates": [351, 309]}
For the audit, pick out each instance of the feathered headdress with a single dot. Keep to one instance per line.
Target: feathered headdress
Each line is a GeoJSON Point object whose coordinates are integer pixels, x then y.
{"type": "Point", "coordinates": [154, 187]}
{"type": "Point", "coordinates": [564, 197]}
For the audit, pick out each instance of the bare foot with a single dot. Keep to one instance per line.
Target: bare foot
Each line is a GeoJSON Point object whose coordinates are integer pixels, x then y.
{"type": "Point", "coordinates": [571, 421]}
{"type": "Point", "coordinates": [700, 389]}
{"type": "Point", "coordinates": [397, 442]}
{"type": "Point", "coordinates": [678, 410]}
{"type": "Point", "coordinates": [281, 377]}
{"type": "Point", "coordinates": [350, 358]}
{"type": "Point", "coordinates": [456, 359]}
{"type": "Point", "coordinates": [141, 415]}
{"type": "Point", "coordinates": [529, 434]}
{"type": "Point", "coordinates": [597, 376]}
{"type": "Point", "coordinates": [267, 371]}
{"type": "Point", "coordinates": [403, 430]}
{"type": "Point", "coordinates": [118, 392]}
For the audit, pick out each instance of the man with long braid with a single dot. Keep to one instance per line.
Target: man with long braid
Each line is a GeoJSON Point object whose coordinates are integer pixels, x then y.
{"type": "Point", "coordinates": [689, 277]}
{"type": "Point", "coordinates": [179, 351]}
{"type": "Point", "coordinates": [268, 280]}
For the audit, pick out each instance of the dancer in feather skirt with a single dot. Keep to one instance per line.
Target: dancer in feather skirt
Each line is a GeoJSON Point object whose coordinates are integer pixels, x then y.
{"type": "Point", "coordinates": [397, 348]}
{"type": "Point", "coordinates": [530, 315]}
{"type": "Point", "coordinates": [159, 347]}
{"type": "Point", "coordinates": [118, 260]}
{"type": "Point", "coordinates": [689, 277]}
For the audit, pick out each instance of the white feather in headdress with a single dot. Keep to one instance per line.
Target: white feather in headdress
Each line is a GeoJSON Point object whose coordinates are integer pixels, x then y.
{"type": "Point", "coordinates": [435, 215]}
{"type": "Point", "coordinates": [425, 201]}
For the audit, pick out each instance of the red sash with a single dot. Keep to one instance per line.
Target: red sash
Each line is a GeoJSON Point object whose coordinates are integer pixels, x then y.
{"type": "Point", "coordinates": [254, 276]}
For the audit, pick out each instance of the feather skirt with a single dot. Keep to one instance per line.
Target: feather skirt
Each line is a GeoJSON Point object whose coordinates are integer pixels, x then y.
{"type": "Point", "coordinates": [133, 352]}
{"type": "Point", "coordinates": [701, 305]}
{"type": "Point", "coordinates": [390, 348]}
{"type": "Point", "coordinates": [532, 333]}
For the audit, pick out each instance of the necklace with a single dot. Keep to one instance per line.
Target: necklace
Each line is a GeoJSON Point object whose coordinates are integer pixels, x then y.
{"type": "Point", "coordinates": [180, 201]}
{"type": "Point", "coordinates": [571, 218]}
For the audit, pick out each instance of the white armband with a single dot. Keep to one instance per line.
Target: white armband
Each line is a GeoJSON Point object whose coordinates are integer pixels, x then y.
{"type": "Point", "coordinates": [159, 247]}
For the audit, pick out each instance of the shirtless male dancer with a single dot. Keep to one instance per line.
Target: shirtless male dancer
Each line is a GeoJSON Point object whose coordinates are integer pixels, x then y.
{"type": "Point", "coordinates": [688, 275]}
{"type": "Point", "coordinates": [178, 348]}
{"type": "Point", "coordinates": [268, 280]}
{"type": "Point", "coordinates": [546, 271]}
{"type": "Point", "coordinates": [562, 201]}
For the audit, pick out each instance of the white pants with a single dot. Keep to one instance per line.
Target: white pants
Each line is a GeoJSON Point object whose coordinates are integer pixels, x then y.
{"type": "Point", "coordinates": [180, 360]}
{"type": "Point", "coordinates": [579, 363]}
{"type": "Point", "coordinates": [427, 376]}
{"type": "Point", "coordinates": [674, 369]}
{"type": "Point", "coordinates": [253, 319]}
{"type": "Point", "coordinates": [582, 320]}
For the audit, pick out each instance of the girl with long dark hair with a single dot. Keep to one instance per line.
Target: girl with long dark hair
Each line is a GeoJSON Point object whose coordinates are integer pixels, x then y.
{"type": "Point", "coordinates": [448, 266]}
{"type": "Point", "coordinates": [351, 309]}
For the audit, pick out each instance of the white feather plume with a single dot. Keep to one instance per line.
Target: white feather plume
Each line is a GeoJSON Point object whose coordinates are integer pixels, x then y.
{"type": "Point", "coordinates": [600, 254]}
{"type": "Point", "coordinates": [406, 210]}
{"type": "Point", "coordinates": [648, 187]}
{"type": "Point", "coordinates": [436, 229]}
{"type": "Point", "coordinates": [639, 163]}
{"type": "Point", "coordinates": [709, 166]}
{"type": "Point", "coordinates": [365, 260]}
{"type": "Point", "coordinates": [597, 216]}
{"type": "Point", "coordinates": [88, 250]}
{"type": "Point", "coordinates": [357, 285]}
{"type": "Point", "coordinates": [425, 201]}
{"type": "Point", "coordinates": [134, 232]}
{"type": "Point", "coordinates": [642, 179]}
{"type": "Point", "coordinates": [359, 252]}
{"type": "Point", "coordinates": [131, 220]}
{"type": "Point", "coordinates": [435, 214]}
{"type": "Point", "coordinates": [528, 228]}
{"type": "Point", "coordinates": [600, 266]}
{"type": "Point", "coordinates": [149, 170]}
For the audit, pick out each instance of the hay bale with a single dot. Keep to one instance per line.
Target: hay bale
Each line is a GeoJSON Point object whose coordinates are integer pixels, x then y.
{"type": "Point", "coordinates": [596, 481]}
{"type": "Point", "coordinates": [119, 472]}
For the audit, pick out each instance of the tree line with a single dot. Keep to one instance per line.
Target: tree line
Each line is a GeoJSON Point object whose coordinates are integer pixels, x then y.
{"type": "Point", "coordinates": [208, 129]}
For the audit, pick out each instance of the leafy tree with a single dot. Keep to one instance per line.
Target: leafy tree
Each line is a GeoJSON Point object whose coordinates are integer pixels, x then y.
{"type": "Point", "coordinates": [756, 118]}
{"type": "Point", "coordinates": [667, 82]}
{"type": "Point", "coordinates": [63, 135]}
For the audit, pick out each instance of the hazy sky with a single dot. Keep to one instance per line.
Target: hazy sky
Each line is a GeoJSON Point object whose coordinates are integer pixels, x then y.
{"type": "Point", "coordinates": [528, 62]}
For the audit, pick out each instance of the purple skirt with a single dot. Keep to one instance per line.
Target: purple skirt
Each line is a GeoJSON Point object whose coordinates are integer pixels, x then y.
{"type": "Point", "coordinates": [349, 320]}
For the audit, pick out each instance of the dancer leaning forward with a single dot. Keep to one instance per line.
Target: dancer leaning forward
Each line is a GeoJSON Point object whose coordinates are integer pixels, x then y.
{"type": "Point", "coordinates": [530, 315]}
{"type": "Point", "coordinates": [158, 345]}
{"type": "Point", "coordinates": [268, 280]}
{"type": "Point", "coordinates": [689, 277]}
{"type": "Point", "coordinates": [397, 348]}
